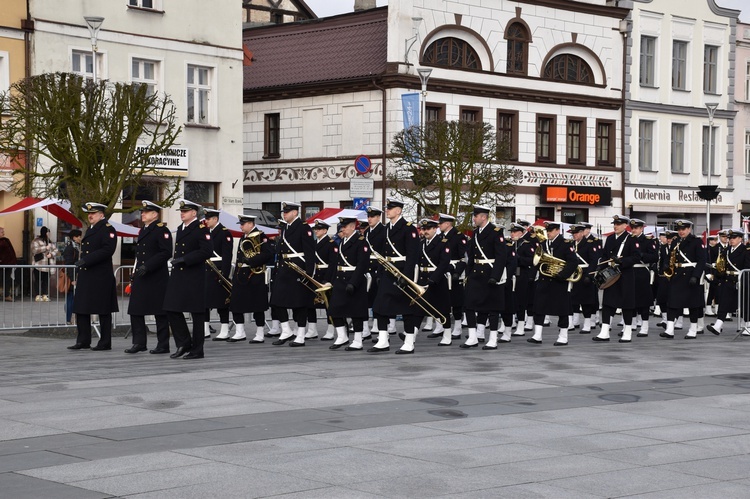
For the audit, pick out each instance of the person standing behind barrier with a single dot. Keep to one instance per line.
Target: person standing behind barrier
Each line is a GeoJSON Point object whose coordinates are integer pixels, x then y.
{"type": "Point", "coordinates": [43, 252]}
{"type": "Point", "coordinates": [149, 282]}
{"type": "Point", "coordinates": [96, 292]}
{"type": "Point", "coordinates": [7, 257]}
{"type": "Point", "coordinates": [71, 254]}
{"type": "Point", "coordinates": [187, 282]}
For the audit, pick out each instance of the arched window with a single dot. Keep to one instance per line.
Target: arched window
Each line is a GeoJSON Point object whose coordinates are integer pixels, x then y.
{"type": "Point", "coordinates": [518, 49]}
{"type": "Point", "coordinates": [568, 67]}
{"type": "Point", "coordinates": [452, 53]}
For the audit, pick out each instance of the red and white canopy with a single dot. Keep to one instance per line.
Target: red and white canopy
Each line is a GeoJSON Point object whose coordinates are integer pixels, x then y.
{"type": "Point", "coordinates": [231, 222]}
{"type": "Point", "coordinates": [331, 215]}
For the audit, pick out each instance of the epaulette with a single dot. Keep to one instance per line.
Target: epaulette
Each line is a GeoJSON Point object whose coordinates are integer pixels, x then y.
{"type": "Point", "coordinates": [161, 224]}
{"type": "Point", "coordinates": [497, 229]}
{"type": "Point", "coordinates": [510, 243]}
{"type": "Point", "coordinates": [649, 236]}
{"type": "Point", "coordinates": [108, 224]}
{"type": "Point", "coordinates": [408, 224]}
{"type": "Point", "coordinates": [361, 238]}
{"type": "Point", "coordinates": [330, 239]}
{"type": "Point", "coordinates": [223, 228]}
{"type": "Point", "coordinates": [201, 226]}
{"type": "Point", "coordinates": [445, 240]}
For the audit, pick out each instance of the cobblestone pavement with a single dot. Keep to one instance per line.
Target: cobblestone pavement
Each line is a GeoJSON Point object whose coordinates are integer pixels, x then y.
{"type": "Point", "coordinates": [653, 418]}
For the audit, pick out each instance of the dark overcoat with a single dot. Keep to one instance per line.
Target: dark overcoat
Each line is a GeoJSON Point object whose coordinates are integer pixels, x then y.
{"type": "Point", "coordinates": [186, 285]}
{"type": "Point", "coordinates": [584, 292]}
{"type": "Point", "coordinates": [353, 253]}
{"type": "Point", "coordinates": [96, 292]}
{"type": "Point", "coordinates": [481, 296]}
{"type": "Point", "coordinates": [152, 249]}
{"type": "Point", "coordinates": [456, 242]}
{"type": "Point", "coordinates": [295, 244]}
{"type": "Point", "coordinates": [690, 262]}
{"type": "Point", "coordinates": [401, 240]}
{"type": "Point", "coordinates": [221, 245]}
{"type": "Point", "coordinates": [375, 239]}
{"type": "Point", "coordinates": [551, 296]}
{"type": "Point", "coordinates": [434, 264]}
{"type": "Point", "coordinates": [622, 293]}
{"type": "Point", "coordinates": [249, 289]}
{"type": "Point", "coordinates": [645, 255]}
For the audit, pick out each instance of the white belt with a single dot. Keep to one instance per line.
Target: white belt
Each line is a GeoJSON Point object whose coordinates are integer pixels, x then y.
{"type": "Point", "coordinates": [642, 265]}
{"type": "Point", "coordinates": [373, 257]}
{"type": "Point", "coordinates": [321, 265]}
{"type": "Point", "coordinates": [293, 255]}
{"type": "Point", "coordinates": [453, 262]}
{"type": "Point", "coordinates": [691, 264]}
{"type": "Point", "coordinates": [343, 268]}
{"type": "Point", "coordinates": [428, 269]}
{"type": "Point", "coordinates": [395, 258]}
{"type": "Point", "coordinates": [485, 261]}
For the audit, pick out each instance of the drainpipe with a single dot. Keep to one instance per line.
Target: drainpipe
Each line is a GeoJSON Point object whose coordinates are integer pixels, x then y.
{"type": "Point", "coordinates": [384, 154]}
{"type": "Point", "coordinates": [28, 26]}
{"type": "Point", "coordinates": [623, 110]}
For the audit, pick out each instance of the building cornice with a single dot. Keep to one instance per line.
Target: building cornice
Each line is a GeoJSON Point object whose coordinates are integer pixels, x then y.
{"type": "Point", "coordinates": [581, 7]}
{"type": "Point", "coordinates": [698, 112]}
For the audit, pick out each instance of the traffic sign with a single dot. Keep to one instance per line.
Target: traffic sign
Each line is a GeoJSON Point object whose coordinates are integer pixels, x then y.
{"type": "Point", "coordinates": [362, 165]}
{"type": "Point", "coordinates": [360, 187]}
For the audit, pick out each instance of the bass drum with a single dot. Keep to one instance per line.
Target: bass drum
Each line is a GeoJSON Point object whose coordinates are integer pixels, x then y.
{"type": "Point", "coordinates": [607, 277]}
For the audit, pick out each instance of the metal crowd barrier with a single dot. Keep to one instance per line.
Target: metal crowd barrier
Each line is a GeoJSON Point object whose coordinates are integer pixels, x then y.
{"type": "Point", "coordinates": [743, 303]}
{"type": "Point", "coordinates": [27, 303]}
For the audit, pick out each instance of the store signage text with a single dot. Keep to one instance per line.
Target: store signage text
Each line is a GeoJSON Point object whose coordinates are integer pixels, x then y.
{"type": "Point", "coordinates": [683, 196]}
{"type": "Point", "coordinates": [569, 194]}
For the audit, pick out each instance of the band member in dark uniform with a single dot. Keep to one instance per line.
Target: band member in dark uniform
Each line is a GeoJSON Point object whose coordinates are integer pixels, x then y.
{"type": "Point", "coordinates": [325, 259]}
{"type": "Point", "coordinates": [402, 250]}
{"type": "Point", "coordinates": [456, 242]}
{"type": "Point", "coordinates": [149, 284]}
{"type": "Point", "coordinates": [187, 282]}
{"type": "Point", "coordinates": [434, 267]}
{"type": "Point", "coordinates": [685, 288]}
{"type": "Point", "coordinates": [716, 244]}
{"type": "Point", "coordinates": [618, 249]}
{"type": "Point", "coordinates": [249, 282]}
{"type": "Point", "coordinates": [662, 282]}
{"type": "Point", "coordinates": [524, 248]}
{"type": "Point", "coordinates": [583, 294]}
{"type": "Point", "coordinates": [485, 275]}
{"type": "Point", "coordinates": [506, 316]}
{"type": "Point", "coordinates": [95, 283]}
{"type": "Point", "coordinates": [551, 295]}
{"type": "Point", "coordinates": [295, 245]}
{"type": "Point", "coordinates": [591, 239]}
{"type": "Point", "coordinates": [645, 255]}
{"type": "Point", "coordinates": [217, 292]}
{"type": "Point", "coordinates": [375, 238]}
{"type": "Point", "coordinates": [349, 278]}
{"type": "Point", "coordinates": [736, 258]}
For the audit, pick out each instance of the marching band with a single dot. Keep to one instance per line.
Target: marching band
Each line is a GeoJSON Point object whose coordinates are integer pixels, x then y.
{"type": "Point", "coordinates": [495, 288]}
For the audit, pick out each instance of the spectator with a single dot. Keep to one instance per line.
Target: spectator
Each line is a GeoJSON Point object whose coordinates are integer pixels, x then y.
{"type": "Point", "coordinates": [43, 251]}
{"type": "Point", "coordinates": [71, 254]}
{"type": "Point", "coordinates": [7, 257]}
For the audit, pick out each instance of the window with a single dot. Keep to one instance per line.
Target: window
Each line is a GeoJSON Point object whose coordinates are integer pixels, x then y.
{"type": "Point", "coordinates": [272, 135]}
{"type": "Point", "coordinates": [710, 68]}
{"type": "Point", "coordinates": [470, 114]}
{"type": "Point", "coordinates": [518, 49]}
{"type": "Point", "coordinates": [747, 82]}
{"type": "Point", "coordinates": [277, 18]}
{"type": "Point", "coordinates": [83, 63]}
{"type": "Point", "coordinates": [452, 53]}
{"type": "Point", "coordinates": [144, 4]}
{"type": "Point", "coordinates": [568, 67]}
{"type": "Point", "coordinates": [747, 152]}
{"type": "Point", "coordinates": [144, 72]}
{"type": "Point", "coordinates": [203, 193]}
{"type": "Point", "coordinates": [507, 133]}
{"type": "Point", "coordinates": [272, 208]}
{"type": "Point", "coordinates": [310, 209]}
{"type": "Point", "coordinates": [434, 112]}
{"type": "Point", "coordinates": [648, 61]}
{"type": "Point", "coordinates": [678, 148]}
{"type": "Point", "coordinates": [574, 215]}
{"type": "Point", "coordinates": [706, 154]}
{"type": "Point", "coordinates": [605, 143]}
{"type": "Point", "coordinates": [545, 138]}
{"type": "Point", "coordinates": [646, 146]}
{"type": "Point", "coordinates": [679, 65]}
{"type": "Point", "coordinates": [576, 141]}
{"type": "Point", "coordinates": [198, 94]}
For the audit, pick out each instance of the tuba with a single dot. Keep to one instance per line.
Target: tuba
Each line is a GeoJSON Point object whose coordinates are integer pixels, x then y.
{"type": "Point", "coordinates": [721, 264]}
{"type": "Point", "coordinates": [551, 266]}
{"type": "Point", "coordinates": [672, 262]}
{"type": "Point", "coordinates": [250, 247]}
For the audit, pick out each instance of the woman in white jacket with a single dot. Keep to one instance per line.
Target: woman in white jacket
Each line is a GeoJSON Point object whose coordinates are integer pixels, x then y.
{"type": "Point", "coordinates": [43, 252]}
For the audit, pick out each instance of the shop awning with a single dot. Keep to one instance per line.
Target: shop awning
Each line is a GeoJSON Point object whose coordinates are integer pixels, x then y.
{"type": "Point", "coordinates": [331, 215]}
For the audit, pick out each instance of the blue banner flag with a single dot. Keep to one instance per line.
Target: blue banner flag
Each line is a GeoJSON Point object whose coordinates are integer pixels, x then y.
{"type": "Point", "coordinates": [410, 103]}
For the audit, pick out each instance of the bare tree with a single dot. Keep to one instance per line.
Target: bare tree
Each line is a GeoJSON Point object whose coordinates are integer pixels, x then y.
{"type": "Point", "coordinates": [451, 165]}
{"type": "Point", "coordinates": [84, 141]}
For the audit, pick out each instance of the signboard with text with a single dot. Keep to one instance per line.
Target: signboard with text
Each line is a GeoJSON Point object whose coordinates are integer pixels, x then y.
{"type": "Point", "coordinates": [361, 187]}
{"type": "Point", "coordinates": [576, 194]}
{"type": "Point", "coordinates": [173, 162]}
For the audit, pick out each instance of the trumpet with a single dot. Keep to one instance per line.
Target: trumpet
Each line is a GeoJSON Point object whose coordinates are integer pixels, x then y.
{"type": "Point", "coordinates": [412, 290]}
{"type": "Point", "coordinates": [225, 283]}
{"type": "Point", "coordinates": [321, 290]}
{"type": "Point", "coordinates": [551, 266]}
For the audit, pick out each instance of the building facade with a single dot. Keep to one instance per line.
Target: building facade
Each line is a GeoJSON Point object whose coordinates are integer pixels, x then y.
{"type": "Point", "coordinates": [742, 122]}
{"type": "Point", "coordinates": [548, 76]}
{"type": "Point", "coordinates": [682, 63]}
{"type": "Point", "coordinates": [171, 48]}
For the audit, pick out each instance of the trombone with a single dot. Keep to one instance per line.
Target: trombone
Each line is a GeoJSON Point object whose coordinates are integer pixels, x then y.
{"type": "Point", "coordinates": [411, 289]}
{"type": "Point", "coordinates": [320, 289]}
{"type": "Point", "coordinates": [225, 283]}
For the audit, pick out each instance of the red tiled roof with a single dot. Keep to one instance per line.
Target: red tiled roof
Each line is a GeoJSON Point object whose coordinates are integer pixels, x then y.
{"type": "Point", "coordinates": [331, 49]}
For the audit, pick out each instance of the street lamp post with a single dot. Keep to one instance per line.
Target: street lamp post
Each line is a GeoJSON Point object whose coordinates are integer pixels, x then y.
{"type": "Point", "coordinates": [711, 108]}
{"type": "Point", "coordinates": [424, 75]}
{"type": "Point", "coordinates": [94, 23]}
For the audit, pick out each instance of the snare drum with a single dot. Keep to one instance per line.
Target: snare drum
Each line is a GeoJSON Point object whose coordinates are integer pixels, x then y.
{"type": "Point", "coordinates": [607, 277]}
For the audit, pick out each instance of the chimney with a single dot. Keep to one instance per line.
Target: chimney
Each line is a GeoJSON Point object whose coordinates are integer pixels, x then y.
{"type": "Point", "coordinates": [364, 5]}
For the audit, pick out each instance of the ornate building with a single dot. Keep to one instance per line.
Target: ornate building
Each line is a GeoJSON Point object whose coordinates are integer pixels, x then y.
{"type": "Point", "coordinates": [548, 78]}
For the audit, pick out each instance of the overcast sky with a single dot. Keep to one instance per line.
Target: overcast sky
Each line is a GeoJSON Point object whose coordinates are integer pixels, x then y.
{"type": "Point", "coordinates": [325, 8]}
